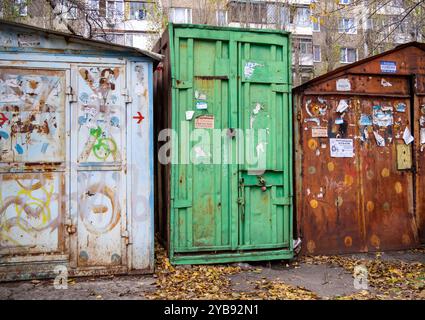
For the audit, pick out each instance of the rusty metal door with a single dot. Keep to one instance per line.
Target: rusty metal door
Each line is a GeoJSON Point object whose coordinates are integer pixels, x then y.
{"type": "Point", "coordinates": [419, 153]}
{"type": "Point", "coordinates": [386, 177]}
{"type": "Point", "coordinates": [357, 192]}
{"type": "Point", "coordinates": [33, 157]}
{"type": "Point", "coordinates": [98, 138]}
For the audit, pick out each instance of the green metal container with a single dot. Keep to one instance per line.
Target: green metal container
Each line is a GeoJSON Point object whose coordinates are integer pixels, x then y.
{"type": "Point", "coordinates": [227, 194]}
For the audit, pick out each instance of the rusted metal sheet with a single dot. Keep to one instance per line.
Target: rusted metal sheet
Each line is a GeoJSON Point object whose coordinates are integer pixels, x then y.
{"type": "Point", "coordinates": [76, 170]}
{"type": "Point", "coordinates": [359, 152]}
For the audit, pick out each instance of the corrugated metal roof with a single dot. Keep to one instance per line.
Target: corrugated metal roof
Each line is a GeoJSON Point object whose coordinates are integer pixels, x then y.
{"type": "Point", "coordinates": [81, 40]}
{"type": "Point", "coordinates": [358, 63]}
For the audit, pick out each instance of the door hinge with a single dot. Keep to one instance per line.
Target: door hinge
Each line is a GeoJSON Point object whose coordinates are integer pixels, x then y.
{"type": "Point", "coordinates": [126, 236]}
{"type": "Point", "coordinates": [127, 96]}
{"type": "Point", "coordinates": [299, 115]}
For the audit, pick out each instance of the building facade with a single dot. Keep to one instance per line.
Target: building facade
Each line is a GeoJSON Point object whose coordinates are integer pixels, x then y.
{"type": "Point", "coordinates": [325, 34]}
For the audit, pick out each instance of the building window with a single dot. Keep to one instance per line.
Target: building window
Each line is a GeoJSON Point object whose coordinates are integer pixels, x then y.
{"type": "Point", "coordinates": [284, 16]}
{"type": "Point", "coordinates": [249, 12]}
{"type": "Point", "coordinates": [93, 5]}
{"type": "Point", "coordinates": [68, 10]}
{"type": "Point", "coordinates": [317, 53]}
{"type": "Point", "coordinates": [401, 27]}
{"type": "Point", "coordinates": [221, 16]}
{"type": "Point", "coordinates": [115, 10]}
{"type": "Point", "coordinates": [397, 3]}
{"type": "Point", "coordinates": [22, 7]}
{"type": "Point", "coordinates": [305, 47]}
{"type": "Point", "coordinates": [347, 25]}
{"type": "Point", "coordinates": [181, 15]}
{"type": "Point", "coordinates": [138, 10]}
{"type": "Point", "coordinates": [369, 24]}
{"type": "Point", "coordinates": [277, 14]}
{"type": "Point", "coordinates": [316, 24]}
{"type": "Point", "coordinates": [348, 55]}
{"type": "Point", "coordinates": [303, 17]}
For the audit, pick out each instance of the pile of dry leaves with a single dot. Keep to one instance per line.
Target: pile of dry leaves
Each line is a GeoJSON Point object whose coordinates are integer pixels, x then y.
{"type": "Point", "coordinates": [195, 282]}
{"type": "Point", "coordinates": [388, 279]}
{"type": "Point", "coordinates": [212, 282]}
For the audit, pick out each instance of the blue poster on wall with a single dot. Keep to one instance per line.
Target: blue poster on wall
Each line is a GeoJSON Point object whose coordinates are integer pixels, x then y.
{"type": "Point", "coordinates": [388, 66]}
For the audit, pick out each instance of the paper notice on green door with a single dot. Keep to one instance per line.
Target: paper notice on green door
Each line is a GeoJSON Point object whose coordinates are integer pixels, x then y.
{"type": "Point", "coordinates": [204, 122]}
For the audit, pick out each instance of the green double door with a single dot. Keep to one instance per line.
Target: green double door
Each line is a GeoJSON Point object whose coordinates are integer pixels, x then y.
{"type": "Point", "coordinates": [232, 186]}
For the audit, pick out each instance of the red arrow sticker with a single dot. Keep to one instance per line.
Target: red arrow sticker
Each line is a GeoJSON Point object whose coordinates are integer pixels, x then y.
{"type": "Point", "coordinates": [3, 119]}
{"type": "Point", "coordinates": [139, 117]}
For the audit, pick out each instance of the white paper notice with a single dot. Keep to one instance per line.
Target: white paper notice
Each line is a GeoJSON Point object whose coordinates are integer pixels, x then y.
{"type": "Point", "coordinates": [343, 85]}
{"type": "Point", "coordinates": [407, 136]}
{"type": "Point", "coordinates": [342, 148]}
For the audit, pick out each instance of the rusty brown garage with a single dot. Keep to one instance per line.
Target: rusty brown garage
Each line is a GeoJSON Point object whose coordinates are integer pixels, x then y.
{"type": "Point", "coordinates": [359, 171]}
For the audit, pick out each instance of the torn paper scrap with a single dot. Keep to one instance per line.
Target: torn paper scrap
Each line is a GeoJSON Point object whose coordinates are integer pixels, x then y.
{"type": "Point", "coordinates": [342, 106]}
{"type": "Point", "coordinates": [189, 115]}
{"type": "Point", "coordinates": [407, 136]}
{"type": "Point", "coordinates": [385, 83]}
{"type": "Point", "coordinates": [380, 141]}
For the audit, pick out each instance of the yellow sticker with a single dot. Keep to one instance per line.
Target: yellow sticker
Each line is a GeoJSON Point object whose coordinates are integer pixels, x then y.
{"type": "Point", "coordinates": [385, 172]}
{"type": "Point", "coordinates": [314, 204]}
{"type": "Point", "coordinates": [312, 144]}
{"type": "Point", "coordinates": [370, 206]}
{"type": "Point", "coordinates": [398, 187]}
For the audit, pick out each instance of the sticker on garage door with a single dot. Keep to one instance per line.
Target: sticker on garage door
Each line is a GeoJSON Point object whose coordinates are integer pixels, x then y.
{"type": "Point", "coordinates": [342, 148]}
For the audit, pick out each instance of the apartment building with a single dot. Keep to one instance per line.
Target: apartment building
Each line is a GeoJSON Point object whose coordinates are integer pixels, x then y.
{"type": "Point", "coordinates": [290, 15]}
{"type": "Point", "coordinates": [132, 23]}
{"type": "Point", "coordinates": [325, 33]}
{"type": "Point", "coordinates": [345, 31]}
